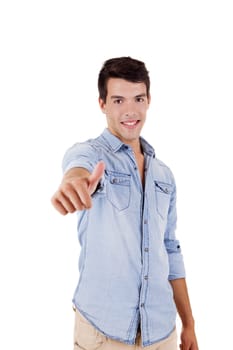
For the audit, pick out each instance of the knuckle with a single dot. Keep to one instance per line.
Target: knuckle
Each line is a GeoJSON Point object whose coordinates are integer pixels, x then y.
{"type": "Point", "coordinates": [66, 187]}
{"type": "Point", "coordinates": [54, 200]}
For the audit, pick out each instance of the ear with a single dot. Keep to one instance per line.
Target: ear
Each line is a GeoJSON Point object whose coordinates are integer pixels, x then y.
{"type": "Point", "coordinates": [149, 100]}
{"type": "Point", "coordinates": [102, 105]}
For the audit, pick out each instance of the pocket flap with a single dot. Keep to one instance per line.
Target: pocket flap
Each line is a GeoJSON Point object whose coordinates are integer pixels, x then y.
{"type": "Point", "coordinates": [163, 187]}
{"type": "Point", "coordinates": [116, 178]}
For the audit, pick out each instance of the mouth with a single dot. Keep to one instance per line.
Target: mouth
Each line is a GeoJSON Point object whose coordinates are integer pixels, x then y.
{"type": "Point", "coordinates": [130, 124]}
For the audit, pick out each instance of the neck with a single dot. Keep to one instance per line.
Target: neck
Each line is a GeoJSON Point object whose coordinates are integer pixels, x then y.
{"type": "Point", "coordinates": [136, 146]}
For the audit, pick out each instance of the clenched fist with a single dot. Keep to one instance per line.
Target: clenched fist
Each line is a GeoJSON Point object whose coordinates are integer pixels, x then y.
{"type": "Point", "coordinates": [76, 189]}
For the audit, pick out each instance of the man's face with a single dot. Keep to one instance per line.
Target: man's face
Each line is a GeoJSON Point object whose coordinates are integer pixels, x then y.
{"type": "Point", "coordinates": [125, 108]}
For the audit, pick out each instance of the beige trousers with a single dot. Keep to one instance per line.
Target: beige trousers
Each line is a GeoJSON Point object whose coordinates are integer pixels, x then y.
{"type": "Point", "coordinates": [86, 337]}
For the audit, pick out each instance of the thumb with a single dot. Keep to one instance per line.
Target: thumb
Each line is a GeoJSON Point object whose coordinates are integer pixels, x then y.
{"type": "Point", "coordinates": [96, 175]}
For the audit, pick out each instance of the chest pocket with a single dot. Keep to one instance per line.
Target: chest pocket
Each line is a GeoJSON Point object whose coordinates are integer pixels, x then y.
{"type": "Point", "coordinates": [118, 189]}
{"type": "Point", "coordinates": [163, 195]}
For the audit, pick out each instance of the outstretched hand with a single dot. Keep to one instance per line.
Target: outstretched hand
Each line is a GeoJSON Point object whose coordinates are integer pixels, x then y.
{"type": "Point", "coordinates": [76, 189]}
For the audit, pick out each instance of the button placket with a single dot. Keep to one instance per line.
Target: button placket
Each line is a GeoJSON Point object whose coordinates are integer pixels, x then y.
{"type": "Point", "coordinates": [145, 258]}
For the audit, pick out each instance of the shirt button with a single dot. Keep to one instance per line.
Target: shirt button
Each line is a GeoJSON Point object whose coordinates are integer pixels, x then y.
{"type": "Point", "coordinates": [145, 222]}
{"type": "Point", "coordinates": [146, 249]}
{"type": "Point", "coordinates": [146, 277]}
{"type": "Point", "coordinates": [142, 304]}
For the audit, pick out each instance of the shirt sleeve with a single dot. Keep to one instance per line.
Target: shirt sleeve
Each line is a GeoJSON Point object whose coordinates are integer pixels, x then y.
{"type": "Point", "coordinates": [176, 263]}
{"type": "Point", "coordinates": [80, 155]}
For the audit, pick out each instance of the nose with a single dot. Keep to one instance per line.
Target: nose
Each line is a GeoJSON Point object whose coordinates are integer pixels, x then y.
{"type": "Point", "coordinates": [130, 115]}
{"type": "Point", "coordinates": [129, 110]}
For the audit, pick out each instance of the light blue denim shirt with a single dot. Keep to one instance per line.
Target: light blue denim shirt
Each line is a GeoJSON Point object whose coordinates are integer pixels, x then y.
{"type": "Point", "coordinates": [129, 250]}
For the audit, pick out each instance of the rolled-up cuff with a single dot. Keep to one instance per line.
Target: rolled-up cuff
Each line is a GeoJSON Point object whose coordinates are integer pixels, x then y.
{"type": "Point", "coordinates": [176, 266]}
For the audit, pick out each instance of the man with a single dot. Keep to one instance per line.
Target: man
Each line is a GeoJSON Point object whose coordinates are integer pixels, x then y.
{"type": "Point", "coordinates": [132, 277]}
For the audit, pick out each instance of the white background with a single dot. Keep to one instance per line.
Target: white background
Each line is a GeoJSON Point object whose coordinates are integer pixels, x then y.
{"type": "Point", "coordinates": [51, 53]}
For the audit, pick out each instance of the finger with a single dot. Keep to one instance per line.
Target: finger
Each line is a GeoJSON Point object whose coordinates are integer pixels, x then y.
{"type": "Point", "coordinates": [186, 346]}
{"type": "Point", "coordinates": [74, 198]}
{"type": "Point", "coordinates": [59, 207]}
{"type": "Point", "coordinates": [78, 194]}
{"type": "Point", "coordinates": [96, 175]}
{"type": "Point", "coordinates": [62, 200]}
{"type": "Point", "coordinates": [85, 197]}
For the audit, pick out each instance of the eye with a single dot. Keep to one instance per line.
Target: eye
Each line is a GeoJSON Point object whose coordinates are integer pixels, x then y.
{"type": "Point", "coordinates": [140, 99]}
{"type": "Point", "coordinates": [118, 101]}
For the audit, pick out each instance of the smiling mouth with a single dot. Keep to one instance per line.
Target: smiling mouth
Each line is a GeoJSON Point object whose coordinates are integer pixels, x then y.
{"type": "Point", "coordinates": [130, 123]}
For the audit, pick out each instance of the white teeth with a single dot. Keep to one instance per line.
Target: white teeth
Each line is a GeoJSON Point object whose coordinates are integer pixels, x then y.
{"type": "Point", "coordinates": [130, 123]}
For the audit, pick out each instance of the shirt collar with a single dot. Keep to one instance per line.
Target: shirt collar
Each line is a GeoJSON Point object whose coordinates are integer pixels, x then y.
{"type": "Point", "coordinates": [116, 144]}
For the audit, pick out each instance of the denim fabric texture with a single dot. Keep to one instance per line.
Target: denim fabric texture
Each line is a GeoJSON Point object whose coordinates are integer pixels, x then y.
{"type": "Point", "coordinates": [129, 250]}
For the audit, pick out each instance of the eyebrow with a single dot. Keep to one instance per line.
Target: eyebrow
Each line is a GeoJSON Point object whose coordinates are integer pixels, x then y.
{"type": "Point", "coordinates": [137, 96]}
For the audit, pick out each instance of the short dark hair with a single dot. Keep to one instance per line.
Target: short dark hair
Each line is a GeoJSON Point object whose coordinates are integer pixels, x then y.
{"type": "Point", "coordinates": [126, 68]}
